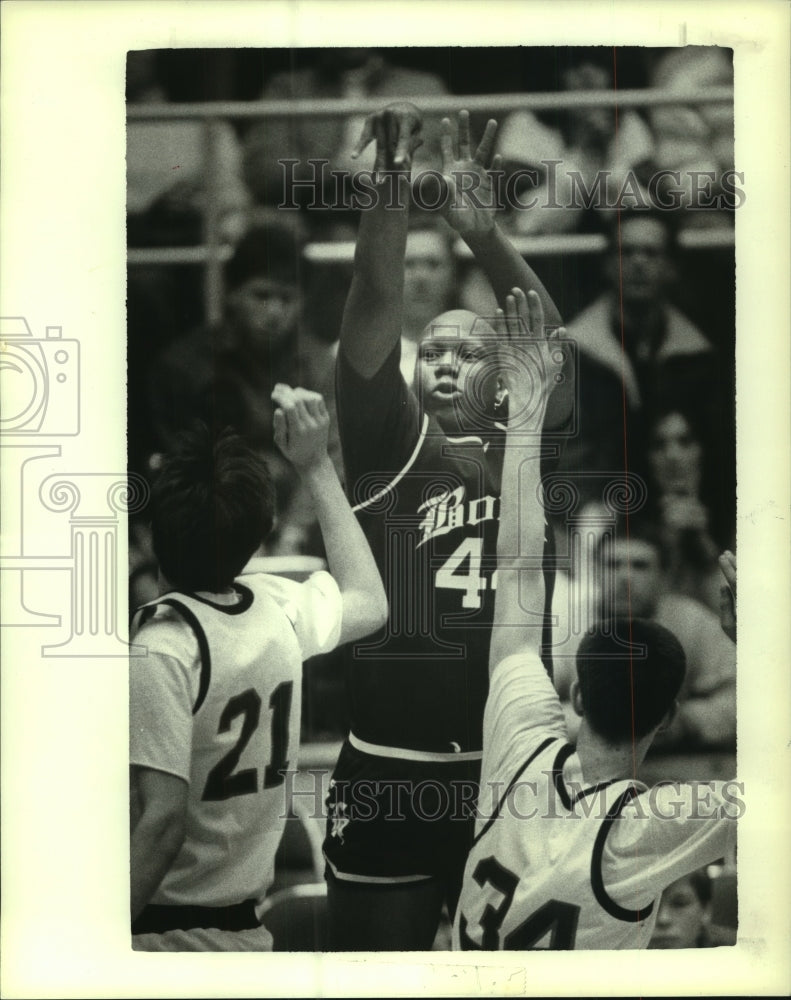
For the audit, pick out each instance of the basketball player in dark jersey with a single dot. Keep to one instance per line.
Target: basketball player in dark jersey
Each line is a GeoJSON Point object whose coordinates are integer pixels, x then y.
{"type": "Point", "coordinates": [422, 471]}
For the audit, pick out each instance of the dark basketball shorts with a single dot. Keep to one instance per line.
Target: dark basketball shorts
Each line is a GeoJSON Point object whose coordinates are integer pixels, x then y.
{"type": "Point", "coordinates": [393, 821]}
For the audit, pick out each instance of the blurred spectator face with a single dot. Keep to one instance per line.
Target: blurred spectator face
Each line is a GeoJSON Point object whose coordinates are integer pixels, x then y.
{"type": "Point", "coordinates": [334, 61]}
{"type": "Point", "coordinates": [428, 277]}
{"type": "Point", "coordinates": [633, 570]}
{"type": "Point", "coordinates": [675, 456]}
{"type": "Point", "coordinates": [640, 267]}
{"type": "Point", "coordinates": [264, 312]}
{"type": "Point", "coordinates": [588, 126]}
{"type": "Point", "coordinates": [681, 917]}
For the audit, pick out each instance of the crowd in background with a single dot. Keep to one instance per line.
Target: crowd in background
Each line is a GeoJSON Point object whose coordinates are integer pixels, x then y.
{"type": "Point", "coordinates": [652, 315]}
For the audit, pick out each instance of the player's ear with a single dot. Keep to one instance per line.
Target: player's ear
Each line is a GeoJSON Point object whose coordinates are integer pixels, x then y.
{"type": "Point", "coordinates": [670, 715]}
{"type": "Point", "coordinates": [575, 697]}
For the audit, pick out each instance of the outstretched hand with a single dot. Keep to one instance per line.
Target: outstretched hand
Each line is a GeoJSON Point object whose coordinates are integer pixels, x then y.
{"type": "Point", "coordinates": [728, 595]}
{"type": "Point", "coordinates": [396, 130]}
{"type": "Point", "coordinates": [471, 203]}
{"type": "Point", "coordinates": [531, 357]}
{"type": "Point", "coordinates": [301, 425]}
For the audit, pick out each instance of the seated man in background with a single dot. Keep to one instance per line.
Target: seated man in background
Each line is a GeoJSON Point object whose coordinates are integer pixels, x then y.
{"type": "Point", "coordinates": [215, 701]}
{"type": "Point", "coordinates": [225, 375]}
{"type": "Point", "coordinates": [533, 879]}
{"type": "Point", "coordinates": [634, 583]}
{"type": "Point", "coordinates": [638, 352]}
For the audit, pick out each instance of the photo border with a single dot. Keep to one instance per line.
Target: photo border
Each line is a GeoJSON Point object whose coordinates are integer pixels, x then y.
{"type": "Point", "coordinates": [64, 930]}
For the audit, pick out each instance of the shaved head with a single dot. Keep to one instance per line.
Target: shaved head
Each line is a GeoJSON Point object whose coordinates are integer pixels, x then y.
{"type": "Point", "coordinates": [458, 323]}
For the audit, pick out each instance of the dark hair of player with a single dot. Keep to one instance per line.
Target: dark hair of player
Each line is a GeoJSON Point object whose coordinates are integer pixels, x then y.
{"type": "Point", "coordinates": [212, 506]}
{"type": "Point", "coordinates": [624, 696]}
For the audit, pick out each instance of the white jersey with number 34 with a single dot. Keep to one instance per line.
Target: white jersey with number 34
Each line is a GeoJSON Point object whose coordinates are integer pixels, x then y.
{"type": "Point", "coordinates": [559, 863]}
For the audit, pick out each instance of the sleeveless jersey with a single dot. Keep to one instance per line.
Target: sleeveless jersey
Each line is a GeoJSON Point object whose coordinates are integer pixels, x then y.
{"type": "Point", "coordinates": [561, 864]}
{"type": "Point", "coordinates": [428, 505]}
{"type": "Point", "coordinates": [240, 666]}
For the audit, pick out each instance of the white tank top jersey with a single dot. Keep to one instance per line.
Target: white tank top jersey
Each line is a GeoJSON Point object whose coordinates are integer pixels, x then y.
{"type": "Point", "coordinates": [561, 864]}
{"type": "Point", "coordinates": [217, 701]}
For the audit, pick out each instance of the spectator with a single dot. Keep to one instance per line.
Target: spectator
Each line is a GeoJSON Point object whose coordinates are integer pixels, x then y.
{"type": "Point", "coordinates": [166, 168]}
{"type": "Point", "coordinates": [684, 916]}
{"type": "Point", "coordinates": [225, 374]}
{"type": "Point", "coordinates": [166, 163]}
{"type": "Point", "coordinates": [337, 73]}
{"type": "Point", "coordinates": [429, 285]}
{"type": "Point", "coordinates": [633, 579]}
{"type": "Point", "coordinates": [637, 351]}
{"type": "Point", "coordinates": [586, 147]}
{"type": "Point", "coordinates": [694, 138]}
{"type": "Point", "coordinates": [679, 467]}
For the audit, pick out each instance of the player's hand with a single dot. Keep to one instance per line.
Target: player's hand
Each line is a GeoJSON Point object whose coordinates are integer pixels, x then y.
{"type": "Point", "coordinates": [728, 595]}
{"type": "Point", "coordinates": [397, 134]}
{"type": "Point", "coordinates": [471, 203]}
{"type": "Point", "coordinates": [301, 425]}
{"type": "Point", "coordinates": [531, 356]}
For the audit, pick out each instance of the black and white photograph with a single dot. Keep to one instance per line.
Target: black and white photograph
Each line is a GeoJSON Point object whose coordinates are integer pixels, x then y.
{"type": "Point", "coordinates": [381, 470]}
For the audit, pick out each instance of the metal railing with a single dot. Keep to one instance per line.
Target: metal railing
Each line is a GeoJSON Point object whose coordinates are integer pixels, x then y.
{"type": "Point", "coordinates": [213, 252]}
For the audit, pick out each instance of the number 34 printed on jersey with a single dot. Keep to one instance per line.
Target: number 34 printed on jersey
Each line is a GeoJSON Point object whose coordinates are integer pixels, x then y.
{"type": "Point", "coordinates": [552, 926]}
{"type": "Point", "coordinates": [224, 781]}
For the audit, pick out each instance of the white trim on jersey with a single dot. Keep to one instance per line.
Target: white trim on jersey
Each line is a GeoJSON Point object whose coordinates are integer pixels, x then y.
{"type": "Point", "coordinates": [397, 479]}
{"type": "Point", "coordinates": [402, 754]}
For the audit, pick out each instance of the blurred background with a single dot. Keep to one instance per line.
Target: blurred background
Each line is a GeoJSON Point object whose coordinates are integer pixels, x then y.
{"type": "Point", "coordinates": [229, 293]}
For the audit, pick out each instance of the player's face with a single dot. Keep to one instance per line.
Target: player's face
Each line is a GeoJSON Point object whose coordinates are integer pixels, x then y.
{"type": "Point", "coordinates": [681, 917]}
{"type": "Point", "coordinates": [456, 377]}
{"type": "Point", "coordinates": [675, 456]}
{"type": "Point", "coordinates": [639, 266]}
{"type": "Point", "coordinates": [634, 573]}
{"type": "Point", "coordinates": [264, 312]}
{"type": "Point", "coordinates": [428, 277]}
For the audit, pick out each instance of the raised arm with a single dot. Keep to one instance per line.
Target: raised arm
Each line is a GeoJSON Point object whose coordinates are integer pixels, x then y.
{"type": "Point", "coordinates": [471, 211]}
{"type": "Point", "coordinates": [530, 362]}
{"type": "Point", "coordinates": [371, 325]}
{"type": "Point", "coordinates": [301, 428]}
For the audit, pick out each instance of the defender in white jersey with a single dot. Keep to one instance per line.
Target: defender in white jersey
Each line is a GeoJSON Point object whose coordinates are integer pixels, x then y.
{"type": "Point", "coordinates": [570, 851]}
{"type": "Point", "coordinates": [215, 702]}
